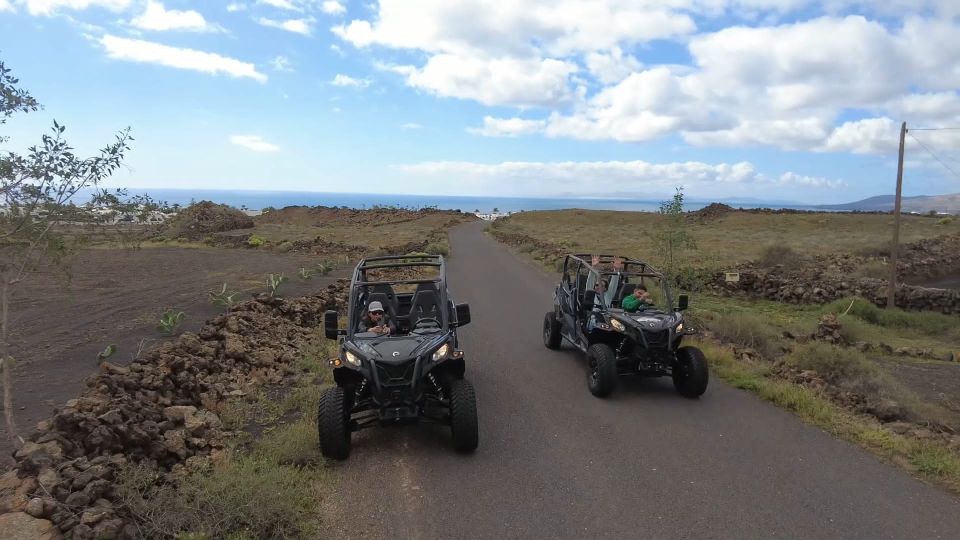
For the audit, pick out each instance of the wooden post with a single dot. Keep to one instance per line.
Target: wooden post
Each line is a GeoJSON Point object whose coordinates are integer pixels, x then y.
{"type": "Point", "coordinates": [892, 285]}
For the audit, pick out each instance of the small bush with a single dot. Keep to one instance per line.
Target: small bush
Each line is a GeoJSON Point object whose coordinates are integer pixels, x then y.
{"type": "Point", "coordinates": [837, 365]}
{"type": "Point", "coordinates": [438, 248]}
{"type": "Point", "coordinates": [924, 322]}
{"type": "Point", "coordinates": [273, 283]}
{"type": "Point", "coordinates": [223, 298]}
{"type": "Point", "coordinates": [746, 330]}
{"type": "Point", "coordinates": [774, 254]}
{"type": "Point", "coordinates": [945, 221]}
{"type": "Point", "coordinates": [255, 241]}
{"type": "Point", "coordinates": [249, 496]}
{"type": "Point", "coordinates": [170, 321]}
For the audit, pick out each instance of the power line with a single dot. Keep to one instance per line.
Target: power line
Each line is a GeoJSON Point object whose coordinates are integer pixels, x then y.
{"type": "Point", "coordinates": [934, 129]}
{"type": "Point", "coordinates": [955, 173]}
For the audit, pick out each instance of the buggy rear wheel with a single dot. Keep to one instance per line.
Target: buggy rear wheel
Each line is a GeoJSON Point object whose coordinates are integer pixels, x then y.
{"type": "Point", "coordinates": [463, 416]}
{"type": "Point", "coordinates": [601, 370]}
{"type": "Point", "coordinates": [551, 330]}
{"type": "Point", "coordinates": [690, 373]}
{"type": "Point", "coordinates": [333, 424]}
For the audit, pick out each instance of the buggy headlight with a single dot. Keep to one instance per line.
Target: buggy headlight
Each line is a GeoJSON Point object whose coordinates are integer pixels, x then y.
{"type": "Point", "coordinates": [441, 353]}
{"type": "Point", "coordinates": [617, 325]}
{"type": "Point", "coordinates": [679, 328]}
{"type": "Point", "coordinates": [352, 358]}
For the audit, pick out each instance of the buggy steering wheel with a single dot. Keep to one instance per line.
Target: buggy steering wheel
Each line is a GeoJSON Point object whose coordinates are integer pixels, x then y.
{"type": "Point", "coordinates": [427, 320]}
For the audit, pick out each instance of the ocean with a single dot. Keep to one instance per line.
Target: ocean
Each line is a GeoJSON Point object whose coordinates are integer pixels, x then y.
{"type": "Point", "coordinates": [257, 200]}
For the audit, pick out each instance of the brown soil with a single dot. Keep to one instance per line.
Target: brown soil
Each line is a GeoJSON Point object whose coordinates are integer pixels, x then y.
{"type": "Point", "coordinates": [316, 216]}
{"type": "Point", "coordinates": [117, 297]}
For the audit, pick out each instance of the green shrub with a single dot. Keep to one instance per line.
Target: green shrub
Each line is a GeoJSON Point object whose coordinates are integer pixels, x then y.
{"type": "Point", "coordinates": [248, 496]}
{"type": "Point", "coordinates": [223, 298]}
{"type": "Point", "coordinates": [837, 365]}
{"type": "Point", "coordinates": [746, 330]}
{"type": "Point", "coordinates": [945, 221]}
{"type": "Point", "coordinates": [925, 322]}
{"type": "Point", "coordinates": [170, 321]}
{"type": "Point", "coordinates": [273, 283]}
{"type": "Point", "coordinates": [255, 241]}
{"type": "Point", "coordinates": [438, 248]}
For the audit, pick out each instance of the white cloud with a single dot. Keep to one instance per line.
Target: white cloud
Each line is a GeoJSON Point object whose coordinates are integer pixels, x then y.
{"type": "Point", "coordinates": [157, 17]}
{"type": "Point", "coordinates": [5, 5]}
{"type": "Point", "coordinates": [281, 63]}
{"type": "Point", "coordinates": [332, 7]}
{"type": "Point", "coordinates": [346, 80]}
{"type": "Point", "coordinates": [253, 142]}
{"type": "Point", "coordinates": [605, 178]}
{"type": "Point", "coordinates": [611, 66]}
{"type": "Point", "coordinates": [297, 26]}
{"type": "Point", "coordinates": [493, 81]}
{"type": "Point", "coordinates": [235, 7]}
{"type": "Point", "coordinates": [507, 127]}
{"type": "Point", "coordinates": [869, 136]}
{"type": "Point", "coordinates": [281, 4]}
{"type": "Point", "coordinates": [411, 125]}
{"type": "Point", "coordinates": [49, 7]}
{"type": "Point", "coordinates": [557, 27]}
{"type": "Point", "coordinates": [136, 50]}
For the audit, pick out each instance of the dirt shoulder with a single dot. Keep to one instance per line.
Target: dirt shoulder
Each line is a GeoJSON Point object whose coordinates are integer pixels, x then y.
{"type": "Point", "coordinates": [117, 296]}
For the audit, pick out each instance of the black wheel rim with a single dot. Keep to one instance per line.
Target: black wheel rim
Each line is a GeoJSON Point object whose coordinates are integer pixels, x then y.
{"type": "Point", "coordinates": [594, 376]}
{"type": "Point", "coordinates": [546, 330]}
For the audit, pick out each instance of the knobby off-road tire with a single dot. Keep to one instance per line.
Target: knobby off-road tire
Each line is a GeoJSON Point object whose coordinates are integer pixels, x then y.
{"type": "Point", "coordinates": [690, 373]}
{"type": "Point", "coordinates": [333, 424]}
{"type": "Point", "coordinates": [463, 416]}
{"type": "Point", "coordinates": [601, 370]}
{"type": "Point", "coordinates": [551, 331]}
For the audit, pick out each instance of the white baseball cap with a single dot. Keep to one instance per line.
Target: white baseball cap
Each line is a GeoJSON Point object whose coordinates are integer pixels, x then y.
{"type": "Point", "coordinates": [375, 306]}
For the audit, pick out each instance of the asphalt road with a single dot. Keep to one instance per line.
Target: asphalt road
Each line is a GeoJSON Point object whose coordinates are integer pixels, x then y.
{"type": "Point", "coordinates": [556, 462]}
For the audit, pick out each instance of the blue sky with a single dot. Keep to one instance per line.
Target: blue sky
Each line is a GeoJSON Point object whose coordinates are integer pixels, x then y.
{"type": "Point", "coordinates": [783, 100]}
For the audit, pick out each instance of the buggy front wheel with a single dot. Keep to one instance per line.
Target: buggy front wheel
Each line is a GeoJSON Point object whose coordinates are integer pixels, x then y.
{"type": "Point", "coordinates": [333, 424]}
{"type": "Point", "coordinates": [690, 373]}
{"type": "Point", "coordinates": [551, 331]}
{"type": "Point", "coordinates": [601, 369]}
{"type": "Point", "coordinates": [463, 416]}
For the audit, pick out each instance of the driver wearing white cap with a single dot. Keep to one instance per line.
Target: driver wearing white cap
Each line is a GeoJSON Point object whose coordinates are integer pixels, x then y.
{"type": "Point", "coordinates": [376, 320]}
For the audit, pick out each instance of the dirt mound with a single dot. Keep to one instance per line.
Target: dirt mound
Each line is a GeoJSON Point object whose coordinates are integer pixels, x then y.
{"type": "Point", "coordinates": [317, 216]}
{"type": "Point", "coordinates": [157, 412]}
{"type": "Point", "coordinates": [204, 218]}
{"type": "Point", "coordinates": [711, 212]}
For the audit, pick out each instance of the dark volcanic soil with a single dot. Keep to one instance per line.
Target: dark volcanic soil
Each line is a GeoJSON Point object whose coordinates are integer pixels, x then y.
{"type": "Point", "coordinates": [117, 296]}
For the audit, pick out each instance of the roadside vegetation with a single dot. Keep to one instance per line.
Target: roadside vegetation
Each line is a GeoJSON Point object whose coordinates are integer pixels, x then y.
{"type": "Point", "coordinates": [269, 480]}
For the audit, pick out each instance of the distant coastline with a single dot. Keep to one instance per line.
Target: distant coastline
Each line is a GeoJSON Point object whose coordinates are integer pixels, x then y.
{"type": "Point", "coordinates": [257, 200]}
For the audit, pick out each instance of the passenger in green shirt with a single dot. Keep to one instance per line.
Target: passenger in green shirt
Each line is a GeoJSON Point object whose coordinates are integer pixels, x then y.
{"type": "Point", "coordinates": [640, 299]}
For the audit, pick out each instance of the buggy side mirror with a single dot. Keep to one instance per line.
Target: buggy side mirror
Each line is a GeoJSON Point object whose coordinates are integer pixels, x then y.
{"type": "Point", "coordinates": [331, 324]}
{"type": "Point", "coordinates": [682, 302]}
{"type": "Point", "coordinates": [463, 314]}
{"type": "Point", "coordinates": [589, 298]}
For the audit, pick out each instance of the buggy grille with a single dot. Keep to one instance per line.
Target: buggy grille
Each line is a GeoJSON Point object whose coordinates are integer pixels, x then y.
{"type": "Point", "coordinates": [396, 373]}
{"type": "Point", "coordinates": [657, 339]}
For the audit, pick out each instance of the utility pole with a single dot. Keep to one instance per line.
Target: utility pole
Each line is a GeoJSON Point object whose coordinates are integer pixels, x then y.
{"type": "Point", "coordinates": [892, 285]}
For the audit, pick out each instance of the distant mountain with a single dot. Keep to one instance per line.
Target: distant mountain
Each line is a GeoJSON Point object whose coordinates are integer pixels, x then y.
{"type": "Point", "coordinates": [949, 204]}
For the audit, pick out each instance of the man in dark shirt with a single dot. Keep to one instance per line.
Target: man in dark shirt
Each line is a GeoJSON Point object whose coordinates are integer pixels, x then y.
{"type": "Point", "coordinates": [376, 320]}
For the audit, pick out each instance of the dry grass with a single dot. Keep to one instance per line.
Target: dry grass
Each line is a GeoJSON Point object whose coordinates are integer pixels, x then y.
{"type": "Point", "coordinates": [730, 239]}
{"type": "Point", "coordinates": [927, 459]}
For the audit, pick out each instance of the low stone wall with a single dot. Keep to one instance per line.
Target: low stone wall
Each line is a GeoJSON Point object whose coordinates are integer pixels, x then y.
{"type": "Point", "coordinates": [156, 412]}
{"type": "Point", "coordinates": [818, 288]}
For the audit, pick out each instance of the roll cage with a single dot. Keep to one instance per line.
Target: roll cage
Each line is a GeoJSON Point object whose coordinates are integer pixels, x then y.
{"type": "Point", "coordinates": [618, 271]}
{"type": "Point", "coordinates": [427, 301]}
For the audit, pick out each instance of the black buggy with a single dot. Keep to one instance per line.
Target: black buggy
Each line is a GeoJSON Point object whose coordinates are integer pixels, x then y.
{"type": "Point", "coordinates": [646, 342]}
{"type": "Point", "coordinates": [414, 374]}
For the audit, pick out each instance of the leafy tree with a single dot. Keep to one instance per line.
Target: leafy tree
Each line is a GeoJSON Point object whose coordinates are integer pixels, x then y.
{"type": "Point", "coordinates": [671, 237]}
{"type": "Point", "coordinates": [37, 210]}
